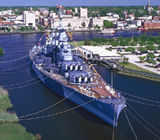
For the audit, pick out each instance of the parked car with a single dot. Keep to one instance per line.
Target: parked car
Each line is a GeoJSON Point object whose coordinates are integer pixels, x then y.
{"type": "Point", "coordinates": [158, 66]}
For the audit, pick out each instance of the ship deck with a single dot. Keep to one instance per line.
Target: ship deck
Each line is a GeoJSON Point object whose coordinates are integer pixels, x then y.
{"type": "Point", "coordinates": [96, 89]}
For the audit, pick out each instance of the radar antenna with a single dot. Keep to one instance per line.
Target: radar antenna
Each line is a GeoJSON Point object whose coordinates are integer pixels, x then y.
{"type": "Point", "coordinates": [60, 13]}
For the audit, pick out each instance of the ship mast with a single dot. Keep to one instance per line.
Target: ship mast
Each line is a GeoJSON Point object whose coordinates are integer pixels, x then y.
{"type": "Point", "coordinates": [60, 14]}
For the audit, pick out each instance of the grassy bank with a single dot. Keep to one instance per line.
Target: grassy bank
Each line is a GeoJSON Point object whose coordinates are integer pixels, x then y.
{"type": "Point", "coordinates": [79, 43]}
{"type": "Point", "coordinates": [134, 74]}
{"type": "Point", "coordinates": [128, 65]}
{"type": "Point", "coordinates": [9, 127]}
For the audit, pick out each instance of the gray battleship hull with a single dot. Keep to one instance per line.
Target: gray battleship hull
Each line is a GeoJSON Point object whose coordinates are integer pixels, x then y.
{"type": "Point", "coordinates": [107, 111]}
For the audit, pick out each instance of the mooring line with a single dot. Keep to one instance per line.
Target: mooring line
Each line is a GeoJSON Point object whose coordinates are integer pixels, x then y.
{"type": "Point", "coordinates": [142, 117]}
{"type": "Point", "coordinates": [130, 125]}
{"type": "Point", "coordinates": [47, 107]}
{"type": "Point", "coordinates": [55, 114]}
{"type": "Point", "coordinates": [143, 125]}
{"type": "Point", "coordinates": [153, 105]}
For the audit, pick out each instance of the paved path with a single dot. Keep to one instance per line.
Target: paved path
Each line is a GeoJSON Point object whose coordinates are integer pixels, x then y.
{"type": "Point", "coordinates": [135, 60]}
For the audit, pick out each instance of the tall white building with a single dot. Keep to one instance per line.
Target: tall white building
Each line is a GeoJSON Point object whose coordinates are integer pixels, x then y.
{"type": "Point", "coordinates": [29, 18]}
{"type": "Point", "coordinates": [83, 12]}
{"type": "Point", "coordinates": [76, 10]}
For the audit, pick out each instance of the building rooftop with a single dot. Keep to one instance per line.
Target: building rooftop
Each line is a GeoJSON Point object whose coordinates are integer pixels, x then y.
{"type": "Point", "coordinates": [100, 51]}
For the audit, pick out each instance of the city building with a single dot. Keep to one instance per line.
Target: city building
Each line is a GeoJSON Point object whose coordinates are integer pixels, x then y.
{"type": "Point", "coordinates": [83, 12]}
{"type": "Point", "coordinates": [1, 21]}
{"type": "Point", "coordinates": [98, 52]}
{"type": "Point", "coordinates": [76, 23]}
{"type": "Point", "coordinates": [151, 24]}
{"type": "Point", "coordinates": [29, 18]}
{"type": "Point", "coordinates": [96, 21]}
{"type": "Point", "coordinates": [76, 10]}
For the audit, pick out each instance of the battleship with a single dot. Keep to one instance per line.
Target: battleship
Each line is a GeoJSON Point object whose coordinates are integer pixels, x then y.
{"type": "Point", "coordinates": [67, 73]}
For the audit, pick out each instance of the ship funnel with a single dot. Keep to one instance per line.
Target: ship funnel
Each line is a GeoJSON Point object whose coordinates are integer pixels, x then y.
{"type": "Point", "coordinates": [79, 79]}
{"type": "Point", "coordinates": [90, 78]}
{"type": "Point", "coordinates": [76, 66]}
{"type": "Point", "coordinates": [81, 67]}
{"type": "Point", "coordinates": [66, 67]}
{"type": "Point", "coordinates": [71, 67]}
{"type": "Point", "coordinates": [66, 74]}
{"type": "Point", "coordinates": [86, 79]}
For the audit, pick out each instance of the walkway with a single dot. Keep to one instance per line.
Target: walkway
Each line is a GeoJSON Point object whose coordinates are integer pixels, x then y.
{"type": "Point", "coordinates": [135, 60]}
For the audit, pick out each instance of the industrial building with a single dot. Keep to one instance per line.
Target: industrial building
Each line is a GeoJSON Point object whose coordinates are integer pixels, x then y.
{"type": "Point", "coordinates": [97, 52]}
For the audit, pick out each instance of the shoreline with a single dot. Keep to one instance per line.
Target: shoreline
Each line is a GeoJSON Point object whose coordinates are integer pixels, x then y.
{"type": "Point", "coordinates": [10, 128]}
{"type": "Point", "coordinates": [132, 74]}
{"type": "Point", "coordinates": [96, 30]}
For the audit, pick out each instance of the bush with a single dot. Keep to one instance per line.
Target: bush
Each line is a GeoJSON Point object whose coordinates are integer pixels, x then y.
{"type": "Point", "coordinates": [130, 49]}
{"type": "Point", "coordinates": [87, 42]}
{"type": "Point", "coordinates": [133, 44]}
{"type": "Point", "coordinates": [1, 50]}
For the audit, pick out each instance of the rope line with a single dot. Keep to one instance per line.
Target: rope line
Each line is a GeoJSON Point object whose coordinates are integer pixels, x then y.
{"type": "Point", "coordinates": [55, 114]}
{"type": "Point", "coordinates": [14, 59]}
{"type": "Point", "coordinates": [143, 118]}
{"type": "Point", "coordinates": [16, 67]}
{"type": "Point", "coordinates": [27, 85]}
{"type": "Point", "coordinates": [141, 98]}
{"type": "Point", "coordinates": [113, 125]}
{"type": "Point", "coordinates": [21, 82]}
{"type": "Point", "coordinates": [153, 105]}
{"type": "Point", "coordinates": [130, 125]}
{"type": "Point", "coordinates": [47, 107]}
{"type": "Point", "coordinates": [143, 125]}
{"type": "Point", "coordinates": [17, 71]}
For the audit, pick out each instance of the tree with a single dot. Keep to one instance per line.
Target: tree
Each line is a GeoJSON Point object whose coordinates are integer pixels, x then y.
{"type": "Point", "coordinates": [135, 38]}
{"type": "Point", "coordinates": [142, 58]}
{"type": "Point", "coordinates": [40, 28]}
{"type": "Point", "coordinates": [124, 43]}
{"type": "Point", "coordinates": [97, 27]}
{"type": "Point", "coordinates": [8, 30]}
{"type": "Point", "coordinates": [151, 48]}
{"type": "Point", "coordinates": [69, 25]}
{"type": "Point", "coordinates": [142, 43]}
{"type": "Point", "coordinates": [152, 38]}
{"type": "Point", "coordinates": [143, 37]}
{"type": "Point", "coordinates": [130, 49]}
{"type": "Point", "coordinates": [150, 42]}
{"type": "Point", "coordinates": [1, 50]}
{"type": "Point", "coordinates": [151, 61]}
{"type": "Point", "coordinates": [127, 39]}
{"type": "Point", "coordinates": [142, 49]}
{"type": "Point", "coordinates": [151, 56]}
{"type": "Point", "coordinates": [22, 28]}
{"type": "Point", "coordinates": [133, 44]}
{"type": "Point", "coordinates": [83, 24]}
{"type": "Point", "coordinates": [125, 59]}
{"type": "Point", "coordinates": [87, 42]}
{"type": "Point", "coordinates": [115, 43]}
{"type": "Point", "coordinates": [107, 24]}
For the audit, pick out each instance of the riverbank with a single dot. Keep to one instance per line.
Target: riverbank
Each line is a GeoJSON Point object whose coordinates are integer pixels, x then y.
{"type": "Point", "coordinates": [34, 32]}
{"type": "Point", "coordinates": [9, 127]}
{"type": "Point", "coordinates": [134, 74]}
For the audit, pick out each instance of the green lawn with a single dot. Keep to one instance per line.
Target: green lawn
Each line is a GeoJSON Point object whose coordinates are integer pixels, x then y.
{"type": "Point", "coordinates": [79, 43]}
{"type": "Point", "coordinates": [133, 67]}
{"type": "Point", "coordinates": [9, 128]}
{"type": "Point", "coordinates": [14, 132]}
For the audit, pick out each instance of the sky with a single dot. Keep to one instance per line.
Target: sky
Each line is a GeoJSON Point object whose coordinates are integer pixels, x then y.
{"type": "Point", "coordinates": [78, 2]}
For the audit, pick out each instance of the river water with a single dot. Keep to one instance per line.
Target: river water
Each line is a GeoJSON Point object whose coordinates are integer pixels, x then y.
{"type": "Point", "coordinates": [29, 95]}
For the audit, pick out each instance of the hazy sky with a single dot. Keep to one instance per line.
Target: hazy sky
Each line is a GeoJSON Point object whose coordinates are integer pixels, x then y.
{"type": "Point", "coordinates": [77, 2]}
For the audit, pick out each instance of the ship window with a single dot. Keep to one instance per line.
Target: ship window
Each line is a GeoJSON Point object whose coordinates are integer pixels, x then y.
{"type": "Point", "coordinates": [88, 55]}
{"type": "Point", "coordinates": [30, 24]}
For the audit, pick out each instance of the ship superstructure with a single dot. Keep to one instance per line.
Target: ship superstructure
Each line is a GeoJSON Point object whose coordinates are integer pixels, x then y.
{"type": "Point", "coordinates": [66, 73]}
